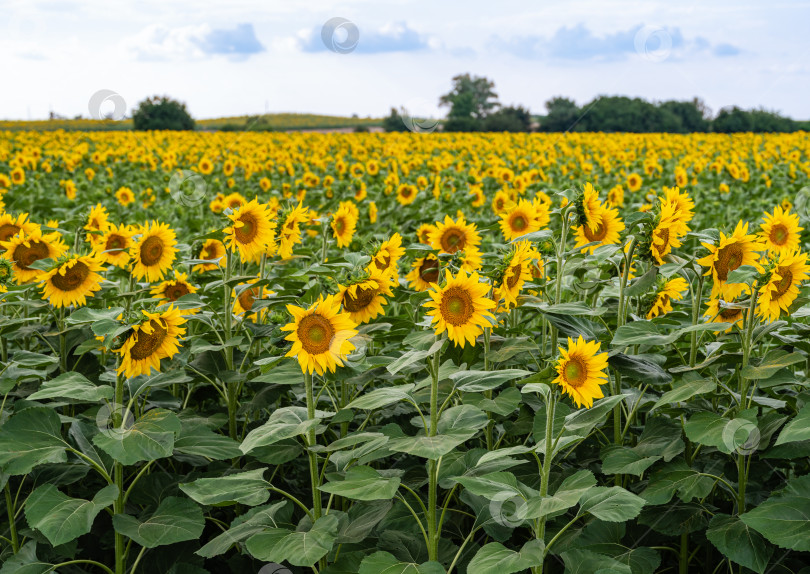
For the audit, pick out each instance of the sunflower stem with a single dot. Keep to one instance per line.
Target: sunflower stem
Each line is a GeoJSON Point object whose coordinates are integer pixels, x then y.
{"type": "Point", "coordinates": [231, 387]}
{"type": "Point", "coordinates": [696, 301]}
{"type": "Point", "coordinates": [118, 476]}
{"type": "Point", "coordinates": [433, 466]}
{"type": "Point", "coordinates": [62, 341]}
{"type": "Point", "coordinates": [314, 476]}
{"type": "Point", "coordinates": [488, 394]}
{"type": "Point", "coordinates": [548, 455]}
{"type": "Point", "coordinates": [15, 544]}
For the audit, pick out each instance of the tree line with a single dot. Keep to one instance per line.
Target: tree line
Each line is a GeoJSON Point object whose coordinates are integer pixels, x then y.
{"type": "Point", "coordinates": [474, 107]}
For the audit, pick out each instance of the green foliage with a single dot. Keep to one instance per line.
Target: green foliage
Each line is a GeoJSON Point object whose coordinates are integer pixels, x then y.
{"type": "Point", "coordinates": [161, 113]}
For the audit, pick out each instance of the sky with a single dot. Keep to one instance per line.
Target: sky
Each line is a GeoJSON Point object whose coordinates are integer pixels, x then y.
{"type": "Point", "coordinates": [363, 57]}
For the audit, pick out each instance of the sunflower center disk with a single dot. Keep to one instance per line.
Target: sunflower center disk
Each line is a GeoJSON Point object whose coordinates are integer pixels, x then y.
{"type": "Point", "coordinates": [151, 251]}
{"type": "Point", "coordinates": [575, 372]}
{"type": "Point", "coordinates": [362, 299]}
{"type": "Point", "coordinates": [728, 259]}
{"type": "Point", "coordinates": [148, 344]}
{"type": "Point", "coordinates": [72, 279]}
{"type": "Point", "coordinates": [7, 231]}
{"type": "Point", "coordinates": [785, 283]}
{"type": "Point", "coordinates": [456, 306]}
{"type": "Point", "coordinates": [174, 292]}
{"type": "Point", "coordinates": [513, 279]}
{"type": "Point", "coordinates": [25, 256]}
{"type": "Point", "coordinates": [315, 333]}
{"type": "Point", "coordinates": [779, 235]}
{"type": "Point", "coordinates": [115, 245]}
{"type": "Point", "coordinates": [247, 297]}
{"type": "Point", "coordinates": [429, 271]}
{"type": "Point", "coordinates": [518, 223]}
{"type": "Point", "coordinates": [452, 241]}
{"type": "Point", "coordinates": [248, 230]}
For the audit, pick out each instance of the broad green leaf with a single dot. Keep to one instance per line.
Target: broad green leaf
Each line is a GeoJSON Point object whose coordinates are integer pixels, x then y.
{"type": "Point", "coordinates": [784, 519]}
{"type": "Point", "coordinates": [495, 558]}
{"type": "Point", "coordinates": [640, 369]}
{"type": "Point", "coordinates": [739, 543]}
{"type": "Point", "coordinates": [30, 438]}
{"type": "Point", "coordinates": [584, 420]}
{"type": "Point", "coordinates": [506, 402]}
{"type": "Point", "coordinates": [568, 494]}
{"type": "Point", "coordinates": [247, 488]}
{"type": "Point", "coordinates": [494, 486]}
{"type": "Point", "coordinates": [73, 386]}
{"type": "Point", "coordinates": [385, 563]}
{"type": "Point", "coordinates": [174, 520]}
{"type": "Point", "coordinates": [798, 429]}
{"type": "Point", "coordinates": [618, 459]}
{"type": "Point", "coordinates": [363, 483]}
{"type": "Point", "coordinates": [382, 397]}
{"type": "Point", "coordinates": [684, 390]}
{"type": "Point", "coordinates": [90, 315]}
{"type": "Point", "coordinates": [456, 425]}
{"type": "Point", "coordinates": [252, 522]}
{"type": "Point", "coordinates": [25, 561]}
{"type": "Point", "coordinates": [614, 504]}
{"type": "Point", "coordinates": [362, 518]}
{"type": "Point", "coordinates": [151, 437]}
{"type": "Point", "coordinates": [301, 548]}
{"type": "Point", "coordinates": [727, 435]}
{"type": "Point", "coordinates": [477, 381]}
{"type": "Point", "coordinates": [772, 363]}
{"type": "Point", "coordinates": [284, 423]}
{"type": "Point", "coordinates": [61, 518]}
{"type": "Point", "coordinates": [642, 284]}
{"type": "Point", "coordinates": [413, 356]}
{"type": "Point", "coordinates": [676, 477]}
{"type": "Point", "coordinates": [587, 562]}
{"type": "Point", "coordinates": [198, 439]}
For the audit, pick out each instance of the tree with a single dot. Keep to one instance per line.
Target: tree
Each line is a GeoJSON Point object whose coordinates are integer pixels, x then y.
{"type": "Point", "coordinates": [509, 119]}
{"type": "Point", "coordinates": [731, 121]}
{"type": "Point", "coordinates": [394, 122]}
{"type": "Point", "coordinates": [471, 100]}
{"type": "Point", "coordinates": [162, 113]}
{"type": "Point", "coordinates": [562, 115]}
{"type": "Point", "coordinates": [690, 114]}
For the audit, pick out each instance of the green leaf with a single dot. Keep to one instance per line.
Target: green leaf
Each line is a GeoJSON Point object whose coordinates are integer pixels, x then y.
{"type": "Point", "coordinates": [772, 363]}
{"type": "Point", "coordinates": [30, 438]}
{"type": "Point", "coordinates": [587, 562]}
{"type": "Point", "coordinates": [150, 438]}
{"type": "Point", "coordinates": [25, 561]}
{"type": "Point", "coordinates": [676, 477]}
{"type": "Point", "coordinates": [284, 423]}
{"type": "Point", "coordinates": [495, 558]}
{"type": "Point", "coordinates": [247, 488]}
{"type": "Point", "coordinates": [618, 459]}
{"type": "Point", "coordinates": [363, 483]}
{"type": "Point", "coordinates": [584, 420]}
{"type": "Point", "coordinates": [252, 522]}
{"type": "Point", "coordinates": [198, 439]}
{"type": "Point", "coordinates": [614, 504]}
{"type": "Point", "coordinates": [493, 486]}
{"type": "Point", "coordinates": [797, 429]}
{"type": "Point", "coordinates": [413, 356]}
{"type": "Point", "coordinates": [477, 381]}
{"type": "Point", "coordinates": [727, 435]}
{"type": "Point", "coordinates": [685, 390]}
{"type": "Point", "coordinates": [642, 284]}
{"type": "Point", "coordinates": [90, 315]}
{"type": "Point", "coordinates": [739, 543]}
{"type": "Point", "coordinates": [74, 386]}
{"type": "Point", "coordinates": [568, 494]}
{"type": "Point", "coordinates": [175, 520]}
{"type": "Point", "coordinates": [382, 397]}
{"type": "Point", "coordinates": [386, 563]}
{"type": "Point", "coordinates": [639, 369]}
{"type": "Point", "coordinates": [61, 518]}
{"type": "Point", "coordinates": [302, 548]}
{"type": "Point", "coordinates": [456, 425]}
{"type": "Point", "coordinates": [784, 519]}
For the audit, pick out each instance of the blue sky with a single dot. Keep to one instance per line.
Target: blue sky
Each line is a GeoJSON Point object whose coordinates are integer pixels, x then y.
{"type": "Point", "coordinates": [247, 57]}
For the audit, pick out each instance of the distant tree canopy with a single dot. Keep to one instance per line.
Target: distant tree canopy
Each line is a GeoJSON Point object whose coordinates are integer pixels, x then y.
{"type": "Point", "coordinates": [474, 107]}
{"type": "Point", "coordinates": [162, 113]}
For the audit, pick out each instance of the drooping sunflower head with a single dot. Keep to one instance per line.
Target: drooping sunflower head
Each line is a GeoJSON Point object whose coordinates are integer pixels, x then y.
{"type": "Point", "coordinates": [520, 220]}
{"type": "Point", "coordinates": [212, 250]}
{"type": "Point", "coordinates": [607, 231]}
{"type": "Point", "coordinates": [450, 236]}
{"type": "Point", "coordinates": [669, 291]}
{"type": "Point", "coordinates": [290, 233]}
{"type": "Point", "coordinates": [11, 226]}
{"type": "Point", "coordinates": [389, 254]}
{"type": "Point", "coordinates": [782, 286]}
{"type": "Point", "coordinates": [343, 226]}
{"type": "Point", "coordinates": [97, 219]}
{"type": "Point", "coordinates": [364, 299]}
{"type": "Point", "coordinates": [461, 307]}
{"type": "Point", "coordinates": [157, 337]}
{"type": "Point", "coordinates": [113, 245]}
{"type": "Point", "coordinates": [424, 271]}
{"type": "Point", "coordinates": [721, 310]}
{"type": "Point", "coordinates": [24, 249]}
{"type": "Point", "coordinates": [684, 206]}
{"type": "Point", "coordinates": [780, 231]}
{"type": "Point", "coordinates": [251, 231]}
{"type": "Point", "coordinates": [71, 281]}
{"type": "Point", "coordinates": [320, 335]}
{"type": "Point", "coordinates": [667, 232]}
{"type": "Point", "coordinates": [518, 270]}
{"type": "Point", "coordinates": [581, 369]}
{"type": "Point", "coordinates": [244, 296]}
{"type": "Point", "coordinates": [589, 207]}
{"type": "Point", "coordinates": [154, 253]}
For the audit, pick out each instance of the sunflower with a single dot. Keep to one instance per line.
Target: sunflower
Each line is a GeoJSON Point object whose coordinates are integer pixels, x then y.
{"type": "Point", "coordinates": [667, 233]}
{"type": "Point", "coordinates": [461, 307]}
{"type": "Point", "coordinates": [212, 250]}
{"type": "Point", "coordinates": [372, 212]}
{"type": "Point", "coordinates": [781, 231]}
{"type": "Point", "coordinates": [606, 232]}
{"type": "Point", "coordinates": [423, 233]}
{"type": "Point", "coordinates": [234, 201]}
{"type": "Point", "coordinates": [406, 194]}
{"type": "Point", "coordinates": [113, 245]}
{"type": "Point", "coordinates": [290, 232]}
{"type": "Point", "coordinates": [388, 255]}
{"type": "Point", "coordinates": [520, 220]}
{"type": "Point", "coordinates": [684, 206]}
{"type": "Point", "coordinates": [18, 176]}
{"type": "Point", "coordinates": [672, 290]}
{"type": "Point", "coordinates": [251, 231]}
{"type": "Point", "coordinates": [343, 226]}
{"type": "Point", "coordinates": [782, 287]}
{"type": "Point", "coordinates": [154, 253]}
{"type": "Point", "coordinates": [11, 226]}
{"type": "Point", "coordinates": [424, 271]}
{"type": "Point", "coordinates": [23, 249]}
{"type": "Point", "coordinates": [156, 338]}
{"type": "Point", "coordinates": [634, 182]}
{"type": "Point", "coordinates": [451, 236]}
{"type": "Point", "coordinates": [591, 207]}
{"type": "Point", "coordinates": [72, 281]}
{"type": "Point", "coordinates": [97, 221]}
{"type": "Point", "coordinates": [501, 202]}
{"type": "Point", "coordinates": [206, 166]}
{"type": "Point", "coordinates": [518, 271]}
{"type": "Point", "coordinates": [615, 197]}
{"type": "Point", "coordinates": [125, 196]}
{"type": "Point", "coordinates": [364, 300]}
{"type": "Point", "coordinates": [580, 371]}
{"type": "Point", "coordinates": [722, 311]}
{"type": "Point", "coordinates": [730, 253]}
{"type": "Point", "coordinates": [320, 335]}
{"type": "Point", "coordinates": [172, 289]}
{"type": "Point", "coordinates": [244, 296]}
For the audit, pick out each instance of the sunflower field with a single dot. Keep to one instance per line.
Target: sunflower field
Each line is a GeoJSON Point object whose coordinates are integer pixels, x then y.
{"type": "Point", "coordinates": [404, 353]}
